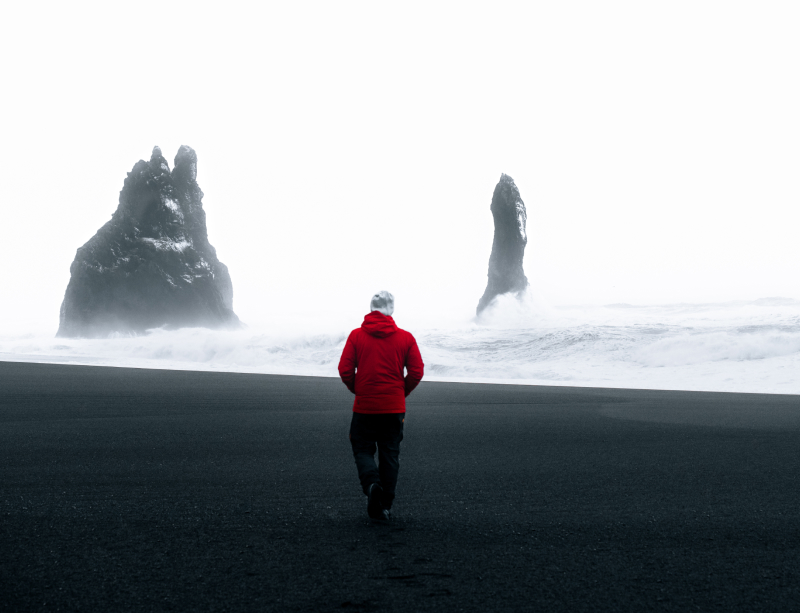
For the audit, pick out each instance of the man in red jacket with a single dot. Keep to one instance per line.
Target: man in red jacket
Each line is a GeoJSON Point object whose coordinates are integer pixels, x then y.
{"type": "Point", "coordinates": [371, 367]}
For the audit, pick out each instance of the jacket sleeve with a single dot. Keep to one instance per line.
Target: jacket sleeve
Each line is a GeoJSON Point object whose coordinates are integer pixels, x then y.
{"type": "Point", "coordinates": [414, 367]}
{"type": "Point", "coordinates": [348, 364]}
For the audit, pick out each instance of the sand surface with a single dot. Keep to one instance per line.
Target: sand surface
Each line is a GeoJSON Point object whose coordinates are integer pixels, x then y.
{"type": "Point", "coordinates": [148, 490]}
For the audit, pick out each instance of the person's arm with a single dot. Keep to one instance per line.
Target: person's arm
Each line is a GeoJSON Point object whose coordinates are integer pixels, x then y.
{"type": "Point", "coordinates": [348, 364]}
{"type": "Point", "coordinates": [415, 369]}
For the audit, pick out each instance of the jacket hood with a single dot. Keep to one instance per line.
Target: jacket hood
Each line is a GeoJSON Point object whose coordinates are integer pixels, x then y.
{"type": "Point", "coordinates": [379, 325]}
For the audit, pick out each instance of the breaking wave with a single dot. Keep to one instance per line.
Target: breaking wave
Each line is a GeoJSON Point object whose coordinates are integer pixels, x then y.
{"type": "Point", "coordinates": [741, 347]}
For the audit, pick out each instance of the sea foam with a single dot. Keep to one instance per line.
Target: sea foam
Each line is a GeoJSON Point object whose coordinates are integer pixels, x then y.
{"type": "Point", "coordinates": [738, 347]}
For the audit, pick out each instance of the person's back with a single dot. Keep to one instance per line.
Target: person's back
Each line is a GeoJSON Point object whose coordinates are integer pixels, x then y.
{"type": "Point", "coordinates": [371, 366]}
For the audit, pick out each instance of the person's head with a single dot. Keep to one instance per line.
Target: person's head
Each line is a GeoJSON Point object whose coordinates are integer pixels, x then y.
{"type": "Point", "coordinates": [383, 302]}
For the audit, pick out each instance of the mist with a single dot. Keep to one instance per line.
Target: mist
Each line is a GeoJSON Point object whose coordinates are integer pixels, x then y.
{"type": "Point", "coordinates": [345, 150]}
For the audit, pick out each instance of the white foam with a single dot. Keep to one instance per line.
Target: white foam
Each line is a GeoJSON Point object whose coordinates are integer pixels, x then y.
{"type": "Point", "coordinates": [738, 347]}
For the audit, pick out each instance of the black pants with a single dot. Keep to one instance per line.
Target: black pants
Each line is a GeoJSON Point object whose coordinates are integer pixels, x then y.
{"type": "Point", "coordinates": [384, 431]}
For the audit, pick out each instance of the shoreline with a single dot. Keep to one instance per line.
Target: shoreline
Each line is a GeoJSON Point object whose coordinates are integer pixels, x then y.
{"type": "Point", "coordinates": [149, 364]}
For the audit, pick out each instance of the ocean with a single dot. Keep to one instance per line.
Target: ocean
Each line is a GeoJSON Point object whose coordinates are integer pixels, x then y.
{"type": "Point", "coordinates": [734, 347]}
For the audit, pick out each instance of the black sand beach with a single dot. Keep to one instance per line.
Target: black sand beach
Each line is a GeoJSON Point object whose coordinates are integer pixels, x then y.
{"type": "Point", "coordinates": [147, 490]}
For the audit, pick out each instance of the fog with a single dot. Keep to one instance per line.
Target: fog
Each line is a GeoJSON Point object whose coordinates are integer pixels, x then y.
{"type": "Point", "coordinates": [346, 149]}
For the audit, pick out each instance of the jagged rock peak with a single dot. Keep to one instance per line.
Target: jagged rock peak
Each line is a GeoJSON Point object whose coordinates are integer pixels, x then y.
{"type": "Point", "coordinates": [186, 162]}
{"type": "Point", "coordinates": [506, 274]}
{"type": "Point", "coordinates": [151, 265]}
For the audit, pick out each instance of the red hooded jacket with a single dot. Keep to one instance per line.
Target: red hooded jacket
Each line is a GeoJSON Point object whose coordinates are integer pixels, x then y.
{"type": "Point", "coordinates": [372, 365]}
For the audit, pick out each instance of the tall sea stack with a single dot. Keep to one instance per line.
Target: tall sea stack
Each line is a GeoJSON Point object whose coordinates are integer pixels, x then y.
{"type": "Point", "coordinates": [508, 247]}
{"type": "Point", "coordinates": [151, 265]}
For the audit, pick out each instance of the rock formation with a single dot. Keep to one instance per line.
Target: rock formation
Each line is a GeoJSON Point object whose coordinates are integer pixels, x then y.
{"type": "Point", "coordinates": [508, 247]}
{"type": "Point", "coordinates": [151, 265]}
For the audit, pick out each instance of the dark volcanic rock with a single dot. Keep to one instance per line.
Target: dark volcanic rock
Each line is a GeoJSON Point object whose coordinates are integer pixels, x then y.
{"type": "Point", "coordinates": [508, 248]}
{"type": "Point", "coordinates": [151, 265]}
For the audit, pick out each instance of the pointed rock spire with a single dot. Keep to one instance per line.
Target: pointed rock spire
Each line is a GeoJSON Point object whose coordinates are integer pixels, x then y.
{"type": "Point", "coordinates": [508, 247]}
{"type": "Point", "coordinates": [186, 163]}
{"type": "Point", "coordinates": [151, 265]}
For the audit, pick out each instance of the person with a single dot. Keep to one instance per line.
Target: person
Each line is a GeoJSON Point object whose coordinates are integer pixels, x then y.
{"type": "Point", "coordinates": [371, 367]}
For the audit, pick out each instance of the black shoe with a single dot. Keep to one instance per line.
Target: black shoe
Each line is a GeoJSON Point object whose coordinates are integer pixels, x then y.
{"type": "Point", "coordinates": [384, 515]}
{"type": "Point", "coordinates": [374, 506]}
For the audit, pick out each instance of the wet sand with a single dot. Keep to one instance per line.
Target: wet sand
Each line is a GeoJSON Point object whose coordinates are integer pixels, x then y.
{"type": "Point", "coordinates": [147, 490]}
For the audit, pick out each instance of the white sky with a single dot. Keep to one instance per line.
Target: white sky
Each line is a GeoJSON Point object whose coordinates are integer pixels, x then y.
{"type": "Point", "coordinates": [346, 147]}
